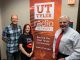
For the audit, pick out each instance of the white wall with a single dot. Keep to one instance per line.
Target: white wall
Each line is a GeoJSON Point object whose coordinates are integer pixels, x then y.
{"type": "Point", "coordinates": [0, 25]}
{"type": "Point", "coordinates": [18, 7]}
{"type": "Point", "coordinates": [71, 11]}
{"type": "Point", "coordinates": [0, 22]}
{"type": "Point", "coordinates": [0, 29]}
{"type": "Point", "coordinates": [1, 50]}
{"type": "Point", "coordinates": [2, 44]}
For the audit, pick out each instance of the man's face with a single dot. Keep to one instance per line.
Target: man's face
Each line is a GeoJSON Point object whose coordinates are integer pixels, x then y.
{"type": "Point", "coordinates": [14, 19]}
{"type": "Point", "coordinates": [64, 23]}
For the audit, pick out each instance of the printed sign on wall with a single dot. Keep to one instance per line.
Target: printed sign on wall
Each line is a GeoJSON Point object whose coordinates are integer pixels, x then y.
{"type": "Point", "coordinates": [44, 10]}
{"type": "Point", "coordinates": [44, 16]}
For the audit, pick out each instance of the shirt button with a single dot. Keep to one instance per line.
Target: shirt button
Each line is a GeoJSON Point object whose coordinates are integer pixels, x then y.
{"type": "Point", "coordinates": [63, 52]}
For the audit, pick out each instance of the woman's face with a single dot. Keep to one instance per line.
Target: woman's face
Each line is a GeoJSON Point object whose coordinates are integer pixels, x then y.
{"type": "Point", "coordinates": [27, 30]}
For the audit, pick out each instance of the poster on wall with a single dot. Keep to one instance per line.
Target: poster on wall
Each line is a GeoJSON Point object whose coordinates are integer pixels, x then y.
{"type": "Point", "coordinates": [44, 16]}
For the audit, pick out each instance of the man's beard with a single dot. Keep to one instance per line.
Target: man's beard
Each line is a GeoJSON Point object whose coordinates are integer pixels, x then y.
{"type": "Point", "coordinates": [63, 26]}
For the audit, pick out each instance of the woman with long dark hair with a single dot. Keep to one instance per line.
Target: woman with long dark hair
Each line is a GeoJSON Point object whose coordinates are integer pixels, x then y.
{"type": "Point", "coordinates": [26, 44]}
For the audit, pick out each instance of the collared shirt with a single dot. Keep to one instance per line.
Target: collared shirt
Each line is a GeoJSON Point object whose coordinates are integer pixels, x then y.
{"type": "Point", "coordinates": [11, 35]}
{"type": "Point", "coordinates": [69, 44]}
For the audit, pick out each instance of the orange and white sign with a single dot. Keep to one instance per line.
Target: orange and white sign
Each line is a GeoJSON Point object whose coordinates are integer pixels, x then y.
{"type": "Point", "coordinates": [44, 10]}
{"type": "Point", "coordinates": [44, 16]}
{"type": "Point", "coordinates": [44, 25]}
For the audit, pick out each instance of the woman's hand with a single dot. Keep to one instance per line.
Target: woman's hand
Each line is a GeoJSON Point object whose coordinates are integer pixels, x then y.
{"type": "Point", "coordinates": [53, 55]}
{"type": "Point", "coordinates": [31, 53]}
{"type": "Point", "coordinates": [28, 55]}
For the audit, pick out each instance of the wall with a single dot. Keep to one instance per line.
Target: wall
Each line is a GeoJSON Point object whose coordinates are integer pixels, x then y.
{"type": "Point", "coordinates": [2, 44]}
{"type": "Point", "coordinates": [71, 11]}
{"type": "Point", "coordinates": [0, 31]}
{"type": "Point", "coordinates": [18, 7]}
{"type": "Point", "coordinates": [21, 8]}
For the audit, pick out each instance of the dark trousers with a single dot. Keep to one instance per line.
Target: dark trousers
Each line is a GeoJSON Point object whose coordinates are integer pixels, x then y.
{"type": "Point", "coordinates": [60, 55]}
{"type": "Point", "coordinates": [13, 56]}
{"type": "Point", "coordinates": [24, 57]}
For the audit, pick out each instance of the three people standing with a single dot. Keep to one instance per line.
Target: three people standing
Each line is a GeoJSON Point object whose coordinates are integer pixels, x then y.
{"type": "Point", "coordinates": [66, 45]}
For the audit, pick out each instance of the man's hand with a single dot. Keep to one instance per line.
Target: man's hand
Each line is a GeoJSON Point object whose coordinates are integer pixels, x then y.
{"type": "Point", "coordinates": [61, 59]}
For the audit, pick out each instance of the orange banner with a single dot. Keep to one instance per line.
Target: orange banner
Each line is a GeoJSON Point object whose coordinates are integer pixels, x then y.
{"type": "Point", "coordinates": [44, 16]}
